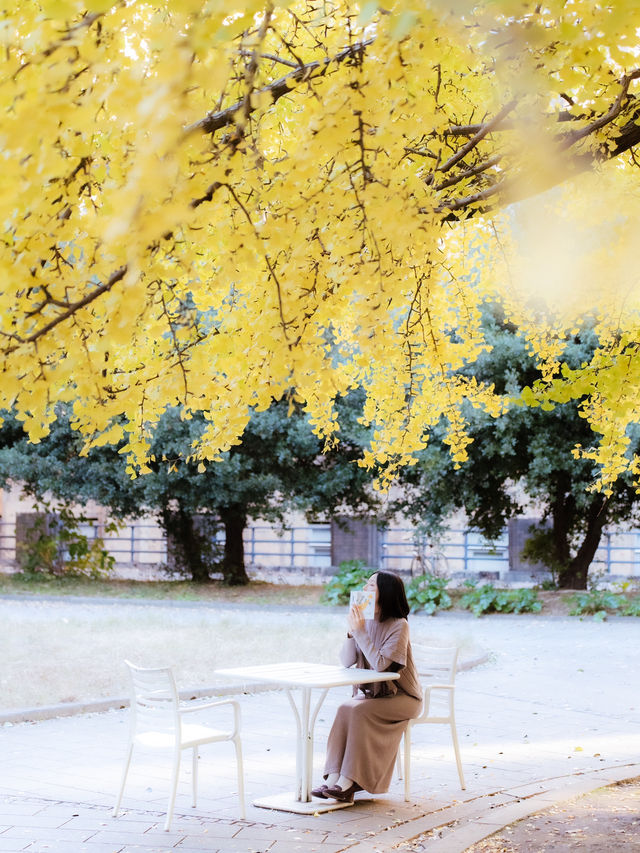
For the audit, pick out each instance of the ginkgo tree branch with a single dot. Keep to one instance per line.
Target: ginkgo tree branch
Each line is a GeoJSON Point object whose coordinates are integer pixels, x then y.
{"type": "Point", "coordinates": [215, 121]}
{"type": "Point", "coordinates": [484, 130]}
{"type": "Point", "coordinates": [210, 124]}
{"type": "Point", "coordinates": [626, 139]}
{"type": "Point", "coordinates": [252, 68]}
{"type": "Point", "coordinates": [71, 309]}
{"type": "Point", "coordinates": [609, 116]}
{"type": "Point", "coordinates": [506, 188]}
{"type": "Point", "coordinates": [468, 173]}
{"type": "Point", "coordinates": [514, 188]}
{"type": "Point", "coordinates": [267, 260]}
{"type": "Point", "coordinates": [68, 37]}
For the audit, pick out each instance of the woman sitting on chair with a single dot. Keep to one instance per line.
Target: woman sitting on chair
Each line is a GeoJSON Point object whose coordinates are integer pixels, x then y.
{"type": "Point", "coordinates": [366, 733]}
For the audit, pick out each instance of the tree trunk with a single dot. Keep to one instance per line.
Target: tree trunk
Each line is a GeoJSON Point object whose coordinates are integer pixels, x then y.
{"type": "Point", "coordinates": [186, 544]}
{"type": "Point", "coordinates": [562, 517]}
{"type": "Point", "coordinates": [560, 535]}
{"type": "Point", "coordinates": [575, 574]}
{"type": "Point", "coordinates": [234, 519]}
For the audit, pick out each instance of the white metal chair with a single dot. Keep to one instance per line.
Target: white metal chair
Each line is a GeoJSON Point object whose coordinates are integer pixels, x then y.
{"type": "Point", "coordinates": [439, 696]}
{"type": "Point", "coordinates": [157, 722]}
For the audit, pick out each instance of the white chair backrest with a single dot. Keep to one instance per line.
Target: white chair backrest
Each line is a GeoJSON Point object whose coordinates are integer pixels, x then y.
{"type": "Point", "coordinates": [154, 699]}
{"type": "Point", "coordinates": [436, 663]}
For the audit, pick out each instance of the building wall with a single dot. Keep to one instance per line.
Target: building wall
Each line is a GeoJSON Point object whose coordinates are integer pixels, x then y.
{"type": "Point", "coordinates": [313, 549]}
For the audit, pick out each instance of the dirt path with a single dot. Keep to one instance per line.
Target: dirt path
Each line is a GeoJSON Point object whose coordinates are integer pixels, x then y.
{"type": "Point", "coordinates": [605, 820]}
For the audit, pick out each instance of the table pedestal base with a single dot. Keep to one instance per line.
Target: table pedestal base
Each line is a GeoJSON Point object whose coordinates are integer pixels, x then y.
{"type": "Point", "coordinates": [288, 803]}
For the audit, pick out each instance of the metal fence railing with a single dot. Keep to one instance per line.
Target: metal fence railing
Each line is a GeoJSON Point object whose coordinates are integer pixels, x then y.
{"type": "Point", "coordinates": [132, 544]}
{"type": "Point", "coordinates": [467, 551]}
{"type": "Point", "coordinates": [140, 544]}
{"type": "Point", "coordinates": [460, 551]}
{"type": "Point", "coordinates": [457, 551]}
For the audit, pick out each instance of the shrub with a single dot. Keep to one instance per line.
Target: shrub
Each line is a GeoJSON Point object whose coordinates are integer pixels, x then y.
{"type": "Point", "coordinates": [488, 599]}
{"type": "Point", "coordinates": [600, 603]}
{"type": "Point", "coordinates": [351, 574]}
{"type": "Point", "coordinates": [428, 593]}
{"type": "Point", "coordinates": [55, 546]}
{"type": "Point", "coordinates": [632, 608]}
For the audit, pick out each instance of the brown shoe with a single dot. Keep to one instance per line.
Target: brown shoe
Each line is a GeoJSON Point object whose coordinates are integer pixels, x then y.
{"type": "Point", "coordinates": [346, 796]}
{"type": "Point", "coordinates": [320, 792]}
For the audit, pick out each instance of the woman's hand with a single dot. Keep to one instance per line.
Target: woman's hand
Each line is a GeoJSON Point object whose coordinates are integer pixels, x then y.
{"type": "Point", "coordinates": [355, 619]}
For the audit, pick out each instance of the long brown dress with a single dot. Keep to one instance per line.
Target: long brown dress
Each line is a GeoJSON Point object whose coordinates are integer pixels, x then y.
{"type": "Point", "coordinates": [366, 733]}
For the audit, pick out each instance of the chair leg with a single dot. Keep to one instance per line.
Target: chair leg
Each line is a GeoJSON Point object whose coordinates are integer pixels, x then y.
{"type": "Point", "coordinates": [456, 749]}
{"type": "Point", "coordinates": [240, 771]}
{"type": "Point", "coordinates": [174, 788]}
{"type": "Point", "coordinates": [399, 761]}
{"type": "Point", "coordinates": [127, 762]}
{"type": "Point", "coordinates": [194, 777]}
{"type": "Point", "coordinates": [407, 762]}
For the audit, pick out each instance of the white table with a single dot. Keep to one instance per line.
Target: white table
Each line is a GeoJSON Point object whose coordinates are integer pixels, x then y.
{"type": "Point", "coordinates": [304, 677]}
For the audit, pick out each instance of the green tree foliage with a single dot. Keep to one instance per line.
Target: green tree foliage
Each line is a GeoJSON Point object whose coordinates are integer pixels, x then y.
{"type": "Point", "coordinates": [279, 466]}
{"type": "Point", "coordinates": [527, 454]}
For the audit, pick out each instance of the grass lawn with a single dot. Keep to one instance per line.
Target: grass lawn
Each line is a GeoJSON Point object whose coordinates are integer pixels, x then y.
{"type": "Point", "coordinates": [256, 592]}
{"type": "Point", "coordinates": [55, 650]}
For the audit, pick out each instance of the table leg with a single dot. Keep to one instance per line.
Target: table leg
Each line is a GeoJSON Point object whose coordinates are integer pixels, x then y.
{"type": "Point", "coordinates": [301, 728]}
{"type": "Point", "coordinates": [309, 723]}
{"type": "Point", "coordinates": [301, 802]}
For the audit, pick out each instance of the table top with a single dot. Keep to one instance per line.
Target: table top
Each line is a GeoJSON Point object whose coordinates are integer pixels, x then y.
{"type": "Point", "coordinates": [301, 674]}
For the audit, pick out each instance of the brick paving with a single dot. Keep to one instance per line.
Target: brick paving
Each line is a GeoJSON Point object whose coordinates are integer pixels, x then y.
{"type": "Point", "coordinates": [554, 711]}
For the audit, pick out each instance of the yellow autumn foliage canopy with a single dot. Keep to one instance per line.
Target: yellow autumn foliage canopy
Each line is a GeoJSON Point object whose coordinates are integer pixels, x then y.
{"type": "Point", "coordinates": [215, 204]}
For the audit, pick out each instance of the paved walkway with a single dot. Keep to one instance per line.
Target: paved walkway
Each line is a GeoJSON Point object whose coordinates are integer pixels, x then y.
{"type": "Point", "coordinates": [554, 711]}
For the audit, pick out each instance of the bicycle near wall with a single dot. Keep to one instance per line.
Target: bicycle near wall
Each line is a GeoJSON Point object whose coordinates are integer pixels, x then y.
{"type": "Point", "coordinates": [428, 559]}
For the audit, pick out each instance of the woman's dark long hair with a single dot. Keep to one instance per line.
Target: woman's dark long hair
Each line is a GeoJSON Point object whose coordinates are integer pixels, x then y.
{"type": "Point", "coordinates": [392, 598]}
